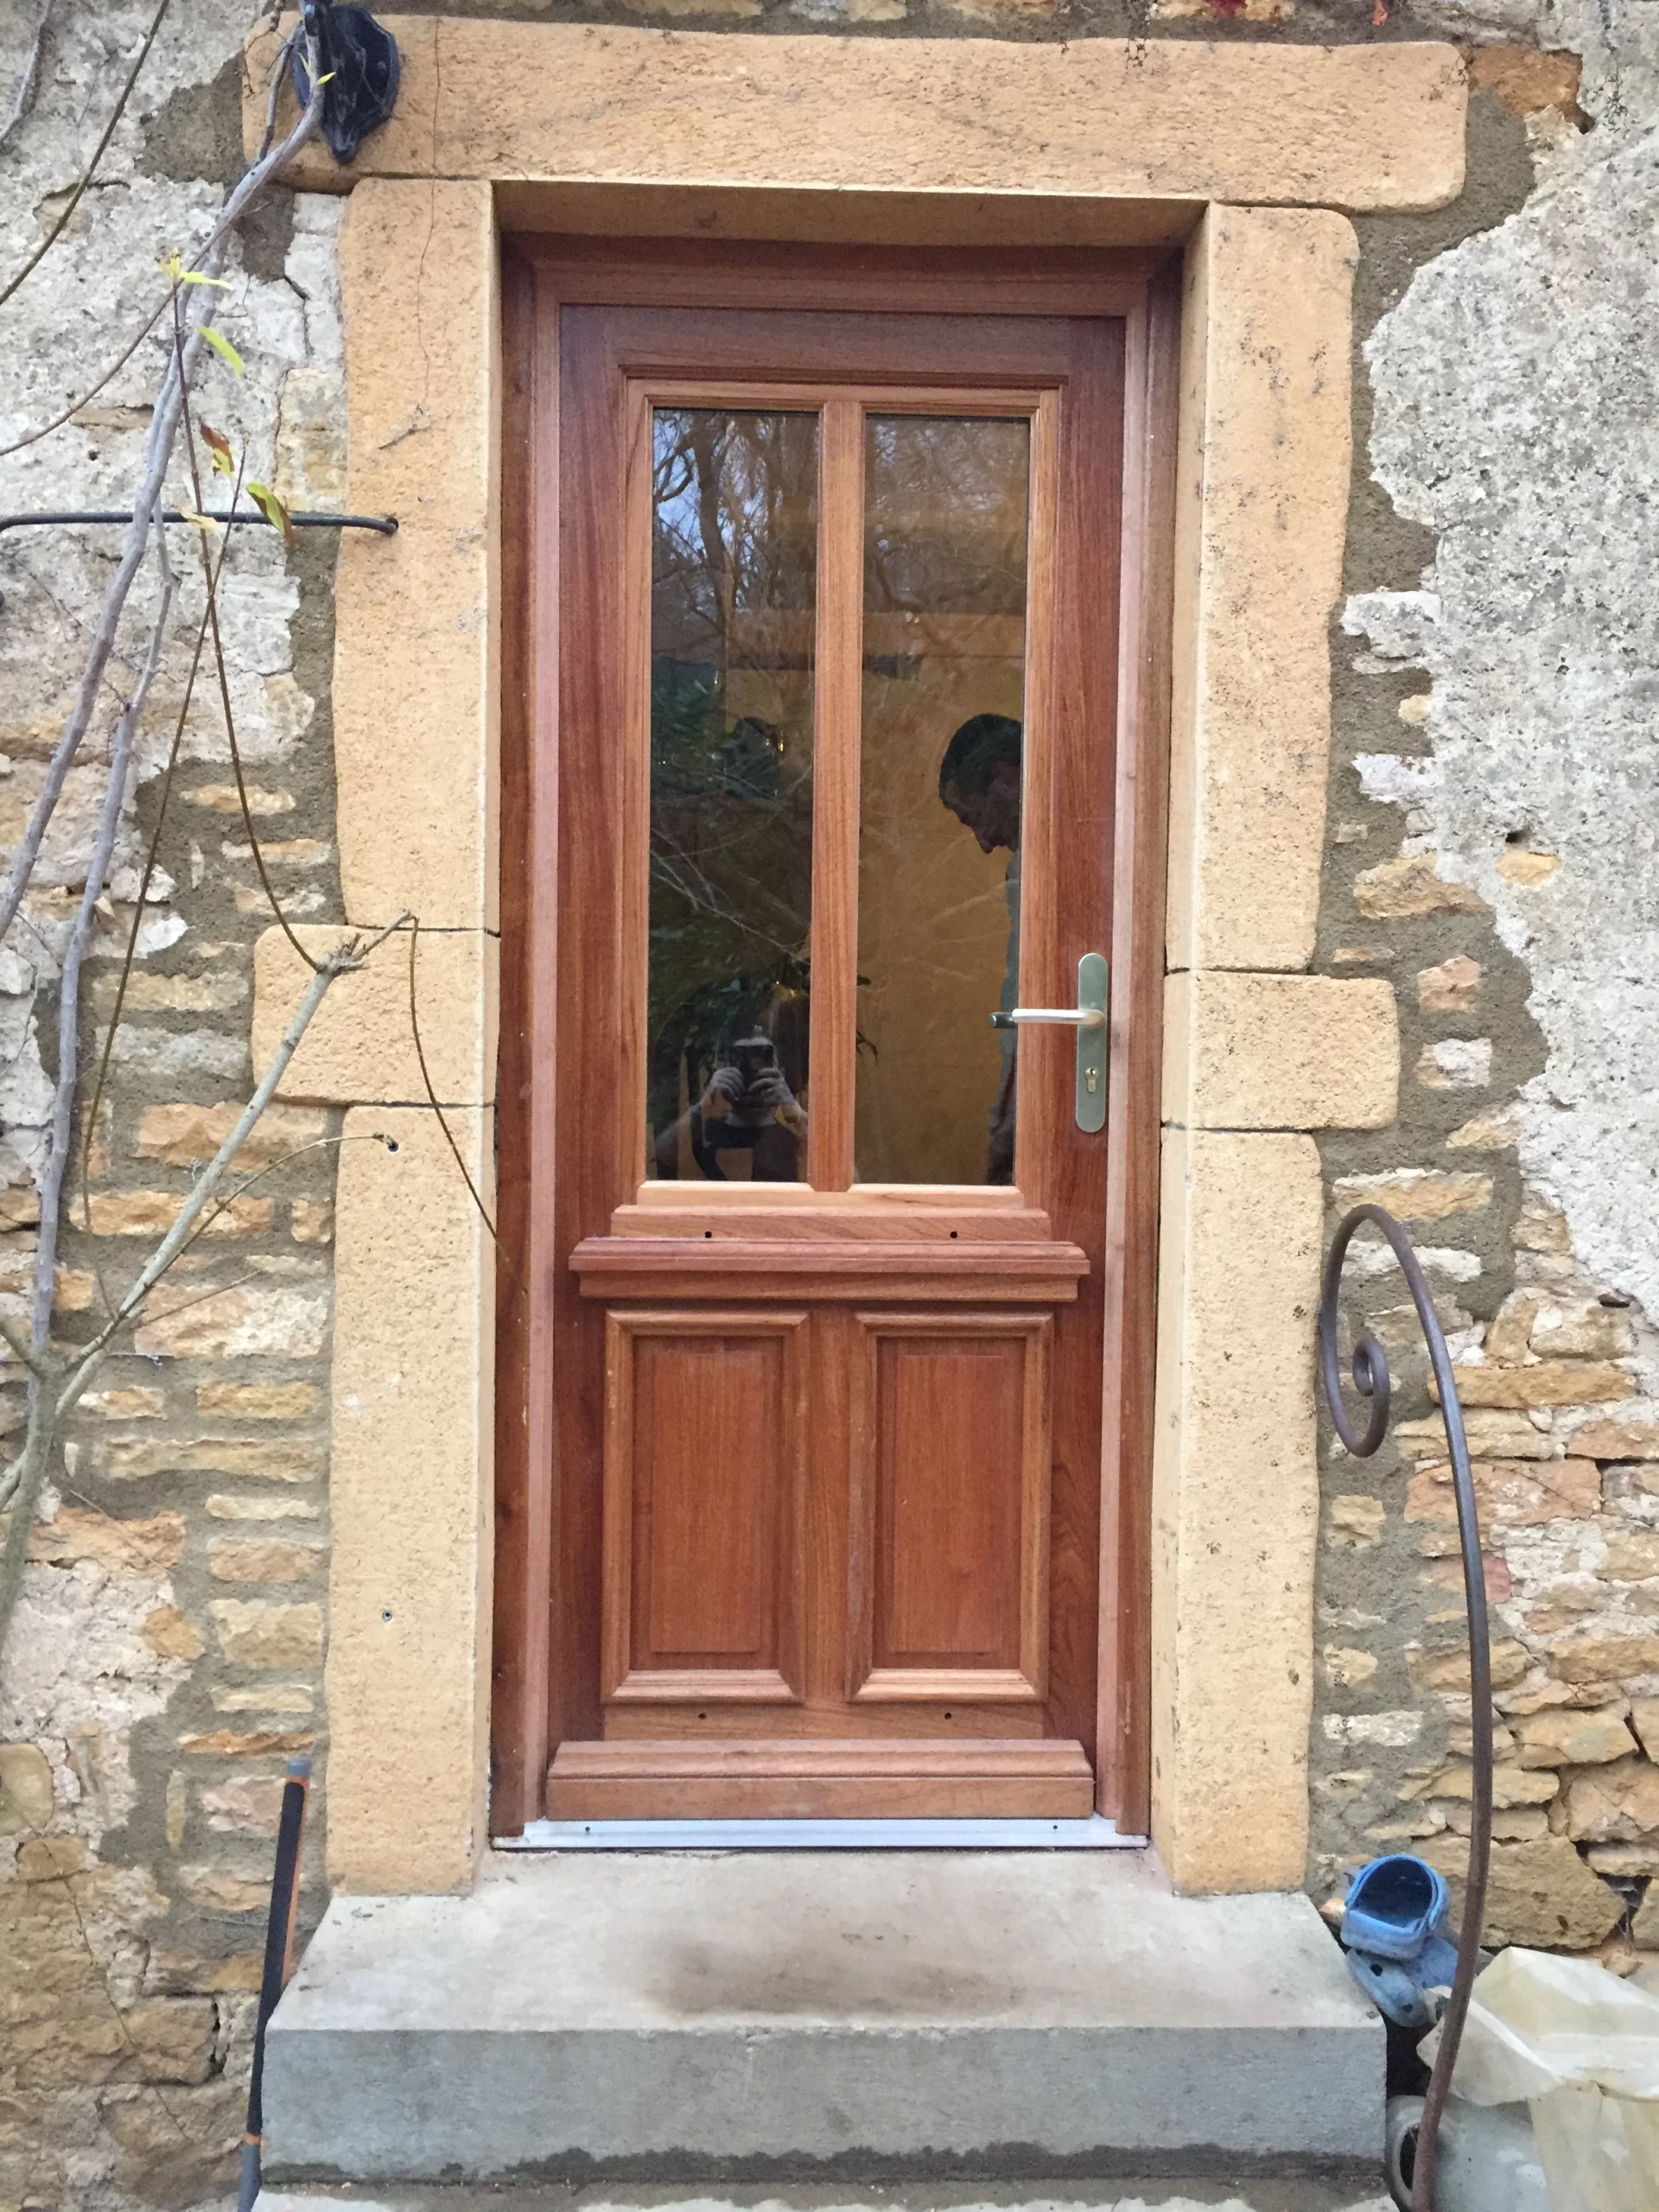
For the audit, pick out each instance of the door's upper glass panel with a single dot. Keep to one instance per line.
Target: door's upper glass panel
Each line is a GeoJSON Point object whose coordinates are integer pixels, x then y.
{"type": "Point", "coordinates": [945, 525]}
{"type": "Point", "coordinates": [733, 586]}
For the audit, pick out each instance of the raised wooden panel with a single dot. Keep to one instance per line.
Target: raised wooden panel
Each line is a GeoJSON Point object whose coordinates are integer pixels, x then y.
{"type": "Point", "coordinates": [704, 1442]}
{"type": "Point", "coordinates": [908, 1778]}
{"type": "Point", "coordinates": [950, 1482]}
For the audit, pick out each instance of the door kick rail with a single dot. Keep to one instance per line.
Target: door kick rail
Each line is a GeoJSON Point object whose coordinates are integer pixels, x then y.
{"type": "Point", "coordinates": [1088, 1018]}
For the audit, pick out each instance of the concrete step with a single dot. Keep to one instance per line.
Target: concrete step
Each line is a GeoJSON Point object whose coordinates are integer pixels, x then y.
{"type": "Point", "coordinates": [736, 2017]}
{"type": "Point", "coordinates": [1127, 2195]}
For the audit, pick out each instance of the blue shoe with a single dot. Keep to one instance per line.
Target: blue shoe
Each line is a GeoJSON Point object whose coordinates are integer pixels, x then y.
{"type": "Point", "coordinates": [1393, 1906]}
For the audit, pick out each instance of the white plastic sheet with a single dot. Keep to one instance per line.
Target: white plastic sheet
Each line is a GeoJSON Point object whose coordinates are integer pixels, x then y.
{"type": "Point", "coordinates": [1582, 2048]}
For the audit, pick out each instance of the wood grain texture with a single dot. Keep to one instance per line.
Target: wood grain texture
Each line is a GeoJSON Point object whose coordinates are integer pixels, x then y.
{"type": "Point", "coordinates": [922, 280]}
{"type": "Point", "coordinates": [1123, 1728]}
{"type": "Point", "coordinates": [829, 1720]}
{"type": "Point", "coordinates": [704, 1477]}
{"type": "Point", "coordinates": [837, 712]}
{"type": "Point", "coordinates": [838, 1267]}
{"type": "Point", "coordinates": [525, 1504]}
{"type": "Point", "coordinates": [782, 1778]}
{"type": "Point", "coordinates": [949, 1506]}
{"type": "Point", "coordinates": [856, 1219]}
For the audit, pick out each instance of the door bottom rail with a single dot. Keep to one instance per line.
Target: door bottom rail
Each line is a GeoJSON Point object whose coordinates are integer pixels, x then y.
{"type": "Point", "coordinates": [914, 1778]}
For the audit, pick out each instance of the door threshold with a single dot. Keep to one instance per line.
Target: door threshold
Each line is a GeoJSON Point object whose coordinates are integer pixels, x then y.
{"type": "Point", "coordinates": [1095, 1833]}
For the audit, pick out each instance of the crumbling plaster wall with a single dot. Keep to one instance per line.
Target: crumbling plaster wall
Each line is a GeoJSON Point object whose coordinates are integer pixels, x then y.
{"type": "Point", "coordinates": [1493, 847]}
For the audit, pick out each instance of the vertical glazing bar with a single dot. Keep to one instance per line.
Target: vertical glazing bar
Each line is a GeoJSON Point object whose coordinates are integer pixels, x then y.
{"type": "Point", "coordinates": [837, 725]}
{"type": "Point", "coordinates": [634, 829]}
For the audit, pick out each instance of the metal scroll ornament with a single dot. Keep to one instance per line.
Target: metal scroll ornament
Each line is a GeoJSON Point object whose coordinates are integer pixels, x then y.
{"type": "Point", "coordinates": [1370, 1375]}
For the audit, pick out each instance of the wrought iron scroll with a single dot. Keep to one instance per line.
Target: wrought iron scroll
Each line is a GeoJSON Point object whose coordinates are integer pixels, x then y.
{"type": "Point", "coordinates": [1370, 1375]}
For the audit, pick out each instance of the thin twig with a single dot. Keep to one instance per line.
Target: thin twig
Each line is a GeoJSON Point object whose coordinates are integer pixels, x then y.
{"type": "Point", "coordinates": [346, 957]}
{"type": "Point", "coordinates": [24, 1350]}
{"type": "Point", "coordinates": [225, 681]}
{"type": "Point", "coordinates": [98, 152]}
{"type": "Point", "coordinates": [42, 1421]}
{"type": "Point", "coordinates": [282, 1159]}
{"type": "Point", "coordinates": [68, 414]}
{"type": "Point", "coordinates": [50, 1407]}
{"type": "Point", "coordinates": [98, 867]}
{"type": "Point", "coordinates": [158, 453]}
{"type": "Point", "coordinates": [431, 1095]}
{"type": "Point", "coordinates": [29, 83]}
{"type": "Point", "coordinates": [202, 1297]}
{"type": "Point", "coordinates": [45, 430]}
{"type": "Point", "coordinates": [151, 857]}
{"type": "Point", "coordinates": [21, 1487]}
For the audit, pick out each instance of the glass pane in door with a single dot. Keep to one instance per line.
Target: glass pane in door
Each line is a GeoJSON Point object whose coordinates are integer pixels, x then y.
{"type": "Point", "coordinates": [734, 585]}
{"type": "Point", "coordinates": [945, 525]}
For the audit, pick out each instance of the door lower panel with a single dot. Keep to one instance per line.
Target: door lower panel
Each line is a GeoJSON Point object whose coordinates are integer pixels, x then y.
{"type": "Point", "coordinates": [772, 1779]}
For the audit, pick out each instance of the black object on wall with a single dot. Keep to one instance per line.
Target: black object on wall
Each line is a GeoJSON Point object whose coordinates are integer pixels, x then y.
{"type": "Point", "coordinates": [360, 66]}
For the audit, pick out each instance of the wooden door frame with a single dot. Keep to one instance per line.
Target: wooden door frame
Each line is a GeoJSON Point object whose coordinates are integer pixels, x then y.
{"type": "Point", "coordinates": [1144, 289]}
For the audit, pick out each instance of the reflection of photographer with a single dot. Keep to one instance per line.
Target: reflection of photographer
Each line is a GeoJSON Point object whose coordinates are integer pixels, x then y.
{"type": "Point", "coordinates": [746, 1106]}
{"type": "Point", "coordinates": [980, 780]}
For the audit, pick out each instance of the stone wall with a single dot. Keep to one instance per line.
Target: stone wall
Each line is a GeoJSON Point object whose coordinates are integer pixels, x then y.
{"type": "Point", "coordinates": [1491, 853]}
{"type": "Point", "coordinates": [167, 1653]}
{"type": "Point", "coordinates": [1492, 850]}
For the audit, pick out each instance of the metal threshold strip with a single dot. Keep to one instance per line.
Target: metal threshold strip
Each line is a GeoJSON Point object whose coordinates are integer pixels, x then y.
{"type": "Point", "coordinates": [1096, 1833]}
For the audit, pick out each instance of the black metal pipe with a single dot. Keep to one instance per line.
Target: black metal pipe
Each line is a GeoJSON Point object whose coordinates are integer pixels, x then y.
{"type": "Point", "coordinates": [279, 1943]}
{"type": "Point", "coordinates": [385, 524]}
{"type": "Point", "coordinates": [1371, 1373]}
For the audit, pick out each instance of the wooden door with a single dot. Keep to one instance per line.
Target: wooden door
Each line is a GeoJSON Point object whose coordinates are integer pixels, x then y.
{"type": "Point", "coordinates": [826, 1311]}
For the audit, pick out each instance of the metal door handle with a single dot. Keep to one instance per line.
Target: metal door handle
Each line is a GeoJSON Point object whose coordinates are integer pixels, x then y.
{"type": "Point", "coordinates": [1089, 1019]}
{"type": "Point", "coordinates": [1085, 1017]}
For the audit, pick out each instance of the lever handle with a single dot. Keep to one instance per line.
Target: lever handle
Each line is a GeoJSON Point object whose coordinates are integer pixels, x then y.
{"type": "Point", "coordinates": [1089, 1019]}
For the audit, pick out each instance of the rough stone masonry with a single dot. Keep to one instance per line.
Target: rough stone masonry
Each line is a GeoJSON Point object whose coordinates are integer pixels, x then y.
{"type": "Point", "coordinates": [1492, 852]}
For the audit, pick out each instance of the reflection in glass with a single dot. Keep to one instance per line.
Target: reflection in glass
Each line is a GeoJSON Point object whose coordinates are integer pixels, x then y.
{"type": "Point", "coordinates": [734, 576]}
{"type": "Point", "coordinates": [938, 875]}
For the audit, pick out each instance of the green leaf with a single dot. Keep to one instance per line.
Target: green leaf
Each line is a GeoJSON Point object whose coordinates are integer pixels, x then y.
{"type": "Point", "coordinates": [173, 267]}
{"type": "Point", "coordinates": [222, 346]}
{"type": "Point", "coordinates": [273, 510]}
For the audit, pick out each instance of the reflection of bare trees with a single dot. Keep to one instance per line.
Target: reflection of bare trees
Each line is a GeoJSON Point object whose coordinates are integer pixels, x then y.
{"type": "Point", "coordinates": [733, 549]}
{"type": "Point", "coordinates": [941, 534]}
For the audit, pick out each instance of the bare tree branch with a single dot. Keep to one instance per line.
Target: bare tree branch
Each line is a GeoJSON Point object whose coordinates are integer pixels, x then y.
{"type": "Point", "coordinates": [29, 83]}
{"type": "Point", "coordinates": [158, 453]}
{"type": "Point", "coordinates": [224, 695]}
{"type": "Point", "coordinates": [351, 953]}
{"type": "Point", "coordinates": [150, 858]}
{"type": "Point", "coordinates": [63, 1104]}
{"type": "Point", "coordinates": [226, 222]}
{"type": "Point", "coordinates": [53, 1398]}
{"type": "Point", "coordinates": [23, 1349]}
{"type": "Point", "coordinates": [45, 430]}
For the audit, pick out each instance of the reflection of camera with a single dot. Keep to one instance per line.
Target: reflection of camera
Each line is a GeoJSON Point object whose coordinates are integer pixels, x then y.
{"type": "Point", "coordinates": [752, 1058]}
